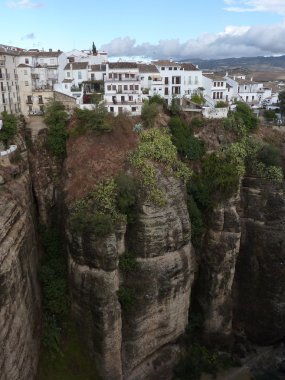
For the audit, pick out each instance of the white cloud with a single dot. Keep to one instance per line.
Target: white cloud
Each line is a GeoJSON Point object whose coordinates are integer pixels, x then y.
{"type": "Point", "coordinates": [234, 41]}
{"type": "Point", "coordinates": [275, 6]}
{"type": "Point", "coordinates": [25, 4]}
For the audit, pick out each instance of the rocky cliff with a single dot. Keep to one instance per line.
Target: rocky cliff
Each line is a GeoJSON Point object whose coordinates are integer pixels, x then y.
{"type": "Point", "coordinates": [138, 342]}
{"type": "Point", "coordinates": [20, 310]}
{"type": "Point", "coordinates": [260, 272]}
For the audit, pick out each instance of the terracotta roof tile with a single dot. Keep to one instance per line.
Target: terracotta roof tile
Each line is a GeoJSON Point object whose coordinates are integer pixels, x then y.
{"type": "Point", "coordinates": [147, 68]}
{"type": "Point", "coordinates": [123, 65]}
{"type": "Point", "coordinates": [76, 66]}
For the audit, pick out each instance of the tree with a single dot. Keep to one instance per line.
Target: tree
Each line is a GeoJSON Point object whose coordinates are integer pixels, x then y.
{"type": "Point", "coordinates": [94, 50]}
{"type": "Point", "coordinates": [9, 128]}
{"type": "Point", "coordinates": [245, 113]}
{"type": "Point", "coordinates": [149, 113]}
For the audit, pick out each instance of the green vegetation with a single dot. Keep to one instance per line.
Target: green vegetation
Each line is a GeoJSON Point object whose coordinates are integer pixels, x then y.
{"type": "Point", "coordinates": [53, 277]}
{"type": "Point", "coordinates": [9, 128]}
{"type": "Point", "coordinates": [156, 147]}
{"type": "Point", "coordinates": [188, 146]}
{"type": "Point", "coordinates": [127, 298]}
{"type": "Point", "coordinates": [97, 212]}
{"type": "Point", "coordinates": [175, 107]}
{"type": "Point", "coordinates": [196, 122]}
{"type": "Point", "coordinates": [221, 104]}
{"type": "Point", "coordinates": [197, 223]}
{"type": "Point", "coordinates": [149, 113]}
{"type": "Point", "coordinates": [242, 120]}
{"type": "Point", "coordinates": [269, 115]}
{"type": "Point", "coordinates": [126, 196]}
{"type": "Point", "coordinates": [92, 120]}
{"type": "Point", "coordinates": [281, 99]}
{"type": "Point", "coordinates": [157, 99]}
{"type": "Point", "coordinates": [56, 118]}
{"type": "Point", "coordinates": [198, 99]}
{"type": "Point", "coordinates": [72, 362]}
{"type": "Point", "coordinates": [128, 262]}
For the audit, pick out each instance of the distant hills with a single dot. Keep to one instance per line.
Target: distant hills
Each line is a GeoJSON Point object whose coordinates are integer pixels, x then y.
{"type": "Point", "coordinates": [249, 63]}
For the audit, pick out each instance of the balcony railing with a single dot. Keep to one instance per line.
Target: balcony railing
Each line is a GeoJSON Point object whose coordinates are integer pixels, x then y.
{"type": "Point", "coordinates": [136, 79]}
{"type": "Point", "coordinates": [29, 101]}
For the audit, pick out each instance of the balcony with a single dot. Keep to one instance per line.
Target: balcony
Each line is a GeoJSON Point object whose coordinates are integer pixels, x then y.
{"type": "Point", "coordinates": [35, 76]}
{"type": "Point", "coordinates": [136, 79]}
{"type": "Point", "coordinates": [29, 101]}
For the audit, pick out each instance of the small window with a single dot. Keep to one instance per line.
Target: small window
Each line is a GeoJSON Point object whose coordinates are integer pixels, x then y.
{"type": "Point", "coordinates": [163, 68]}
{"type": "Point", "coordinates": [127, 75]}
{"type": "Point", "coordinates": [132, 87]}
{"type": "Point", "coordinates": [175, 68]}
{"type": "Point", "coordinates": [136, 87]}
{"type": "Point", "coordinates": [79, 75]}
{"type": "Point", "coordinates": [134, 109]}
{"type": "Point", "coordinates": [170, 68]}
{"type": "Point", "coordinates": [26, 83]}
{"type": "Point", "coordinates": [125, 87]}
{"type": "Point", "coordinates": [26, 61]}
{"type": "Point", "coordinates": [109, 87]}
{"type": "Point", "coordinates": [111, 109]}
{"type": "Point", "coordinates": [68, 74]}
{"type": "Point", "coordinates": [25, 72]}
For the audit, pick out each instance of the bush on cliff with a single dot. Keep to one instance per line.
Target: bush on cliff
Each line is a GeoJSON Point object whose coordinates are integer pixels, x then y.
{"type": "Point", "coordinates": [187, 144]}
{"type": "Point", "coordinates": [56, 118]}
{"type": "Point", "coordinates": [92, 120]}
{"type": "Point", "coordinates": [9, 128]}
{"type": "Point", "coordinates": [149, 113]}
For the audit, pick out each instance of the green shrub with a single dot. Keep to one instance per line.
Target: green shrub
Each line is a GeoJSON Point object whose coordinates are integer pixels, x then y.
{"type": "Point", "coordinates": [157, 99]}
{"type": "Point", "coordinates": [156, 147]}
{"type": "Point", "coordinates": [9, 128]}
{"type": "Point", "coordinates": [221, 104]}
{"type": "Point", "coordinates": [56, 118]}
{"type": "Point", "coordinates": [127, 298]}
{"type": "Point", "coordinates": [92, 120]}
{"type": "Point", "coordinates": [149, 113]}
{"type": "Point", "coordinates": [128, 262]}
{"type": "Point", "coordinates": [245, 113]}
{"type": "Point", "coordinates": [196, 122]}
{"type": "Point", "coordinates": [187, 144]}
{"type": "Point", "coordinates": [126, 196]}
{"type": "Point", "coordinates": [270, 115]}
{"type": "Point", "coordinates": [198, 99]}
{"type": "Point", "coordinates": [269, 155]}
{"type": "Point", "coordinates": [175, 107]}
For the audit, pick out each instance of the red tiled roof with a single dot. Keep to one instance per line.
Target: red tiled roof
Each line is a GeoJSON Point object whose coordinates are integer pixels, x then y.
{"type": "Point", "coordinates": [76, 66]}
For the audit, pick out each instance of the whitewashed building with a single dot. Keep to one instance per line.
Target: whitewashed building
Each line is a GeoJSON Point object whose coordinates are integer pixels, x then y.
{"type": "Point", "coordinates": [215, 89]}
{"type": "Point", "coordinates": [123, 88]}
{"type": "Point", "coordinates": [9, 86]}
{"type": "Point", "coordinates": [179, 79]}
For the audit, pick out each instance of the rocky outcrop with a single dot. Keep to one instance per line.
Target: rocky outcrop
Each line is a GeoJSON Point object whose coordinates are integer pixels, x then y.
{"type": "Point", "coordinates": [137, 343]}
{"type": "Point", "coordinates": [217, 261]}
{"type": "Point", "coordinates": [20, 309]}
{"type": "Point", "coordinates": [260, 273]}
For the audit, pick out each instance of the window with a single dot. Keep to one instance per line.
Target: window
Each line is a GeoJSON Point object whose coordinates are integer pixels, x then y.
{"type": "Point", "coordinates": [215, 85]}
{"type": "Point", "coordinates": [196, 80]}
{"type": "Point", "coordinates": [110, 76]}
{"type": "Point", "coordinates": [109, 87]}
{"type": "Point", "coordinates": [166, 91]}
{"type": "Point", "coordinates": [163, 68]}
{"type": "Point", "coordinates": [169, 68]}
{"type": "Point", "coordinates": [166, 80]}
{"type": "Point", "coordinates": [132, 75]}
{"type": "Point", "coordinates": [127, 75]}
{"type": "Point", "coordinates": [92, 76]}
{"type": "Point", "coordinates": [25, 72]}
{"type": "Point", "coordinates": [79, 75]}
{"type": "Point", "coordinates": [115, 76]}
{"type": "Point", "coordinates": [253, 98]}
{"type": "Point", "coordinates": [222, 84]}
{"type": "Point", "coordinates": [134, 109]}
{"type": "Point", "coordinates": [214, 95]}
{"type": "Point", "coordinates": [111, 109]}
{"type": "Point", "coordinates": [26, 83]}
{"type": "Point", "coordinates": [131, 98]}
{"type": "Point", "coordinates": [136, 87]}
{"type": "Point", "coordinates": [26, 61]}
{"type": "Point", "coordinates": [175, 68]}
{"type": "Point", "coordinates": [125, 87]}
{"type": "Point", "coordinates": [68, 74]}
{"type": "Point", "coordinates": [66, 86]}
{"type": "Point", "coordinates": [221, 95]}
{"type": "Point", "coordinates": [132, 87]}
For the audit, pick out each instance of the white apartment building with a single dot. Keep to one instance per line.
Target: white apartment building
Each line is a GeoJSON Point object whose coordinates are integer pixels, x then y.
{"type": "Point", "coordinates": [247, 90]}
{"type": "Point", "coordinates": [9, 87]}
{"type": "Point", "coordinates": [123, 88]}
{"type": "Point", "coordinates": [180, 79]}
{"type": "Point", "coordinates": [152, 83]}
{"type": "Point", "coordinates": [215, 88]}
{"type": "Point", "coordinates": [37, 74]}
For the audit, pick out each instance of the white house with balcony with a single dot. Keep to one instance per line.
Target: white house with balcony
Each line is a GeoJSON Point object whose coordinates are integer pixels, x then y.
{"type": "Point", "coordinates": [152, 83]}
{"type": "Point", "coordinates": [247, 90]}
{"type": "Point", "coordinates": [179, 79]}
{"type": "Point", "coordinates": [123, 88]}
{"type": "Point", "coordinates": [215, 89]}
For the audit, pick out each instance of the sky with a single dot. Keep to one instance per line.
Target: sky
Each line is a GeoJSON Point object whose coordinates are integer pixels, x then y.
{"type": "Point", "coordinates": [147, 28]}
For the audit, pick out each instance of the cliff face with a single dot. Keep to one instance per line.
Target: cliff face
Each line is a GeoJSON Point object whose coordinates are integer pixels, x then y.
{"type": "Point", "coordinates": [216, 271]}
{"type": "Point", "coordinates": [138, 342]}
{"type": "Point", "coordinates": [260, 273]}
{"type": "Point", "coordinates": [20, 310]}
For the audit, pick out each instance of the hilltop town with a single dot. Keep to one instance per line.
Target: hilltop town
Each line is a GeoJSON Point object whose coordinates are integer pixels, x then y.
{"type": "Point", "coordinates": [83, 78]}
